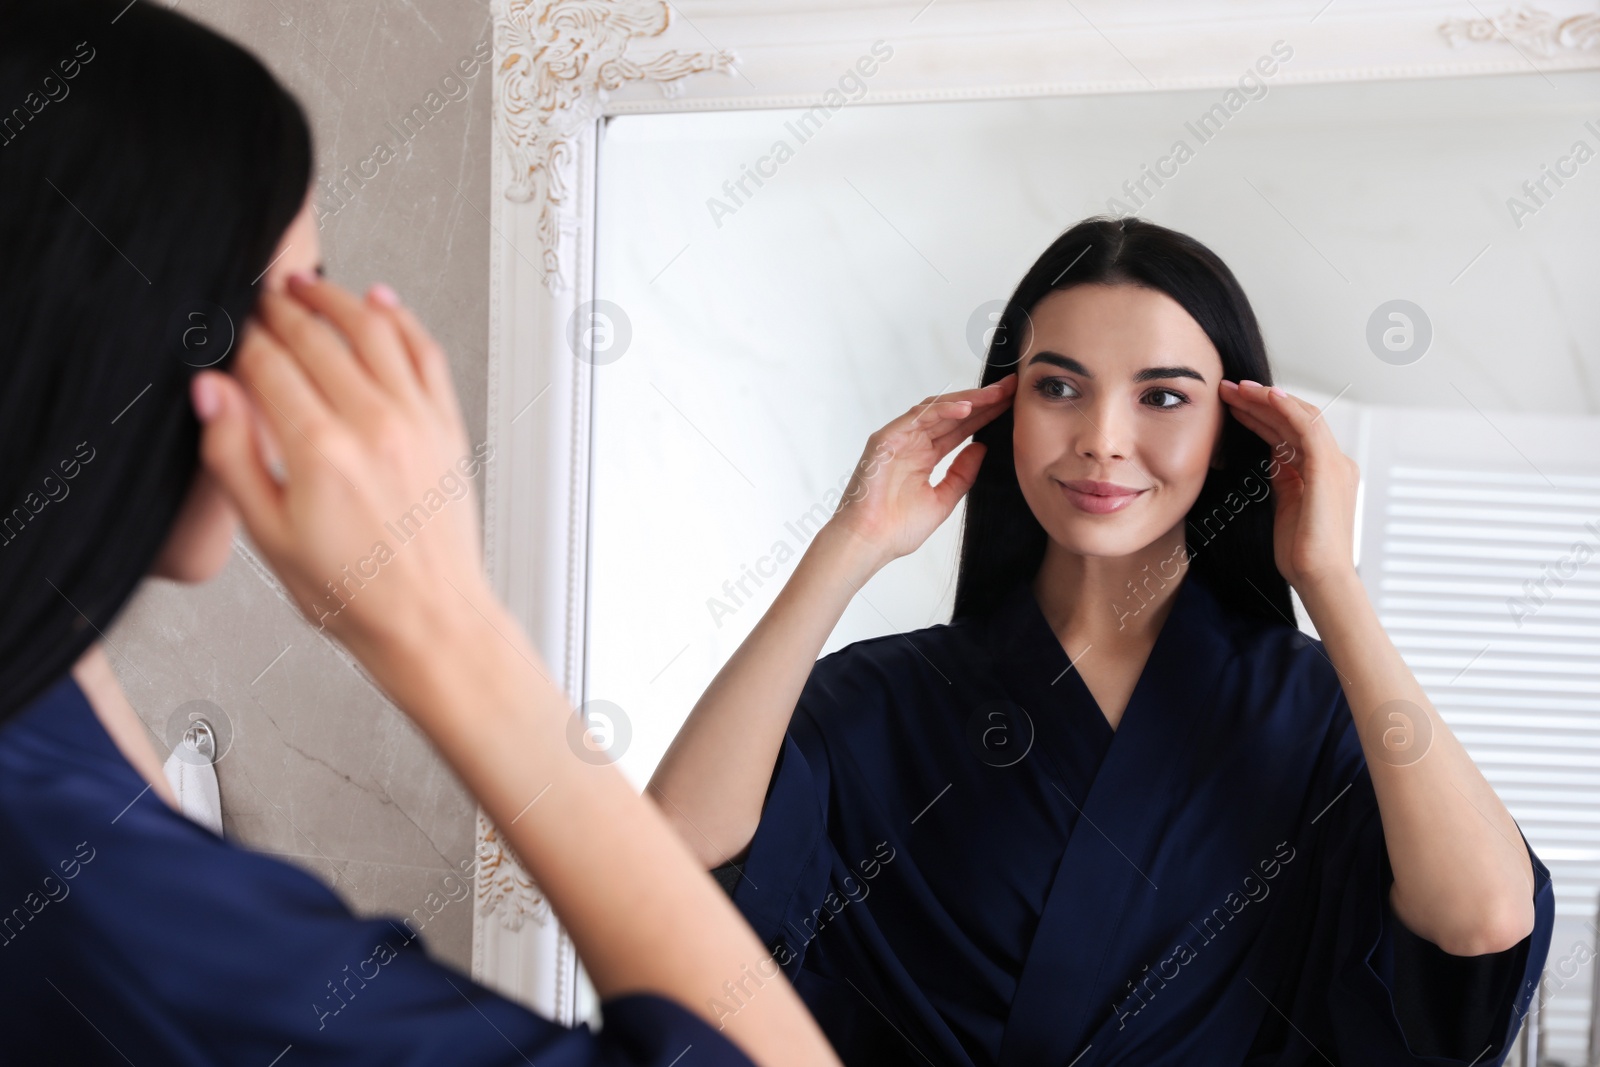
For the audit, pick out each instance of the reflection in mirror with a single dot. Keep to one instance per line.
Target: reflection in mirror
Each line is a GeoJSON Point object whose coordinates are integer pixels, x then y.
{"type": "Point", "coordinates": [1416, 254]}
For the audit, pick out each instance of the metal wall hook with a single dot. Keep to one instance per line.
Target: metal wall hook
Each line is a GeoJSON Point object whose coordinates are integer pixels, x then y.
{"type": "Point", "coordinates": [202, 739]}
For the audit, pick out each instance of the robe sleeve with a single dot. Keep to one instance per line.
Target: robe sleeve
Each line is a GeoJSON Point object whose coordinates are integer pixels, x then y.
{"type": "Point", "coordinates": [181, 948]}
{"type": "Point", "coordinates": [782, 882]}
{"type": "Point", "coordinates": [1394, 997]}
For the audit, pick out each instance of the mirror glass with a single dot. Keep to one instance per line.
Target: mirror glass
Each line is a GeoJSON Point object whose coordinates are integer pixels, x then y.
{"type": "Point", "coordinates": [777, 287]}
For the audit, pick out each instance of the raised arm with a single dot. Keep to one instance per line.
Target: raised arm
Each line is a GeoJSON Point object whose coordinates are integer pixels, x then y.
{"type": "Point", "coordinates": [374, 537]}
{"type": "Point", "coordinates": [713, 778]}
{"type": "Point", "coordinates": [1462, 875]}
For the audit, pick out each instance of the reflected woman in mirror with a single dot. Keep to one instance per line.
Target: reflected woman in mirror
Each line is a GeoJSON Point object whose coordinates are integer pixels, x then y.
{"type": "Point", "coordinates": [1120, 809]}
{"type": "Point", "coordinates": [156, 197]}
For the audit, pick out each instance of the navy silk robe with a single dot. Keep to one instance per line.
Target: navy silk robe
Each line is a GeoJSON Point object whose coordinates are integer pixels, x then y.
{"type": "Point", "coordinates": [960, 862]}
{"type": "Point", "coordinates": [129, 934]}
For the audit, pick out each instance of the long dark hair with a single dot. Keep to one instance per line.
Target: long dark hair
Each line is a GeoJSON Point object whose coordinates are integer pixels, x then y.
{"type": "Point", "coordinates": [150, 168]}
{"type": "Point", "coordinates": [1230, 547]}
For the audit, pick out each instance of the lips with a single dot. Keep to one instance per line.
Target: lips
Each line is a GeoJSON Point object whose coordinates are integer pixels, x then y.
{"type": "Point", "coordinates": [1099, 498]}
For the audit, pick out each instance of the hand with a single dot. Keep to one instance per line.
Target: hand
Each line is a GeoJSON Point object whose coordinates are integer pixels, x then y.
{"type": "Point", "coordinates": [1314, 486]}
{"type": "Point", "coordinates": [889, 502]}
{"type": "Point", "coordinates": [374, 529]}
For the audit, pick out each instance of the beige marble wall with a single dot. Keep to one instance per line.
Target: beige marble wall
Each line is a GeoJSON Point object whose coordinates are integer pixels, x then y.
{"type": "Point", "coordinates": [322, 770]}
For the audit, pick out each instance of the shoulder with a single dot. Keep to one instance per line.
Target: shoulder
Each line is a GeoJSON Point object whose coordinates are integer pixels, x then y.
{"type": "Point", "coordinates": [1278, 666]}
{"type": "Point", "coordinates": [1285, 707]}
{"type": "Point", "coordinates": [51, 769]}
{"type": "Point", "coordinates": [895, 669]}
{"type": "Point", "coordinates": [875, 717]}
{"type": "Point", "coordinates": [1274, 646]}
{"type": "Point", "coordinates": [901, 655]}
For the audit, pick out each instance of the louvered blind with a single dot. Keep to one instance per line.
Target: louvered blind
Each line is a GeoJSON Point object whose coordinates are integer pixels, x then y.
{"type": "Point", "coordinates": [1481, 549]}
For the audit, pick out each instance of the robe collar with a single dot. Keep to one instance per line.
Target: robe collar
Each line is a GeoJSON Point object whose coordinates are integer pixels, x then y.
{"type": "Point", "coordinates": [1062, 996]}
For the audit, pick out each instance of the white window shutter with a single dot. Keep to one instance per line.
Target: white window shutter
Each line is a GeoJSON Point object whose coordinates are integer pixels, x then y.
{"type": "Point", "coordinates": [1480, 547]}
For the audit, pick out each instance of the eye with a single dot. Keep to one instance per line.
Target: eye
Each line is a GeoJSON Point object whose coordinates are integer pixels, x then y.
{"type": "Point", "coordinates": [1165, 399]}
{"type": "Point", "coordinates": [1055, 389]}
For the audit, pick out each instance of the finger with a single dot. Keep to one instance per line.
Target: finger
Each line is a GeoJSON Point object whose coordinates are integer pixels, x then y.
{"type": "Point", "coordinates": [981, 415]}
{"type": "Point", "coordinates": [1276, 397]}
{"type": "Point", "coordinates": [997, 395]}
{"type": "Point", "coordinates": [992, 393]}
{"type": "Point", "coordinates": [228, 450]}
{"type": "Point", "coordinates": [324, 356]}
{"type": "Point", "coordinates": [959, 476]}
{"type": "Point", "coordinates": [1300, 414]}
{"type": "Point", "coordinates": [1260, 428]}
{"type": "Point", "coordinates": [374, 336]}
{"type": "Point", "coordinates": [1258, 402]}
{"type": "Point", "coordinates": [1284, 475]}
{"type": "Point", "coordinates": [1257, 425]}
{"type": "Point", "coordinates": [999, 387]}
{"type": "Point", "coordinates": [293, 408]}
{"type": "Point", "coordinates": [1307, 428]}
{"type": "Point", "coordinates": [266, 441]}
{"type": "Point", "coordinates": [1001, 392]}
{"type": "Point", "coordinates": [427, 359]}
{"type": "Point", "coordinates": [933, 415]}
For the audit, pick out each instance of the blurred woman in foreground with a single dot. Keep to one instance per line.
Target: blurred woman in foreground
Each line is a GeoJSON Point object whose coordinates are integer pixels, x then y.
{"type": "Point", "coordinates": [154, 171]}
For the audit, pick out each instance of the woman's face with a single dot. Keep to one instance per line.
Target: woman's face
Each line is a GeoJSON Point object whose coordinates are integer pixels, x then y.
{"type": "Point", "coordinates": [202, 535]}
{"type": "Point", "coordinates": [1117, 416]}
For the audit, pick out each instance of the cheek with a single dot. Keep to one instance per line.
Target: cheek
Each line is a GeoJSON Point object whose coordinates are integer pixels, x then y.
{"type": "Point", "coordinates": [1179, 449]}
{"type": "Point", "coordinates": [1034, 442]}
{"type": "Point", "coordinates": [201, 538]}
{"type": "Point", "coordinates": [1190, 452]}
{"type": "Point", "coordinates": [298, 249]}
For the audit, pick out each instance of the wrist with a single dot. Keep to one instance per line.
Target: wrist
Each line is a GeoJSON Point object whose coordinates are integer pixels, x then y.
{"type": "Point", "coordinates": [843, 551]}
{"type": "Point", "coordinates": [1325, 590]}
{"type": "Point", "coordinates": [464, 659]}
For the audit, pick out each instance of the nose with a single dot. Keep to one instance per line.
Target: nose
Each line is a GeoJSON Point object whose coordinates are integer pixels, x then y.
{"type": "Point", "coordinates": [1101, 431]}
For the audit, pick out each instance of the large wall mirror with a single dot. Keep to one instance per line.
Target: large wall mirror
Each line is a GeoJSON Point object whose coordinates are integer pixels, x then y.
{"type": "Point", "coordinates": [713, 290]}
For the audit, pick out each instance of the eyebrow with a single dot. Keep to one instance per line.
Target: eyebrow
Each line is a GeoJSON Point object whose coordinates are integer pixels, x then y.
{"type": "Point", "coordinates": [1149, 374]}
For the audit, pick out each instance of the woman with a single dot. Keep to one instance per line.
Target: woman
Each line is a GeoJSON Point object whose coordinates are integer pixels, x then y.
{"type": "Point", "coordinates": [1118, 810]}
{"type": "Point", "coordinates": [157, 186]}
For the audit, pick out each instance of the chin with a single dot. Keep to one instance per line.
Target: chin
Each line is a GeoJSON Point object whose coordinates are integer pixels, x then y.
{"type": "Point", "coordinates": [1100, 539]}
{"type": "Point", "coordinates": [195, 556]}
{"type": "Point", "coordinates": [1107, 536]}
{"type": "Point", "coordinates": [194, 569]}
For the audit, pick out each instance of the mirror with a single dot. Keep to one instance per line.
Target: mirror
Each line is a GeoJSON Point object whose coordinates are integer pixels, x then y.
{"type": "Point", "coordinates": [769, 309]}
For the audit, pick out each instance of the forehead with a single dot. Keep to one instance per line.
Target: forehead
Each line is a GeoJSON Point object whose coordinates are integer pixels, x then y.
{"type": "Point", "coordinates": [1123, 326]}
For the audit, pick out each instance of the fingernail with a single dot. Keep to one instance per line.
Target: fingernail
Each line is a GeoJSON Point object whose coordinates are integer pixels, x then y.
{"type": "Point", "coordinates": [1275, 391]}
{"type": "Point", "coordinates": [384, 296]}
{"type": "Point", "coordinates": [207, 400]}
{"type": "Point", "coordinates": [1247, 381]}
{"type": "Point", "coordinates": [304, 277]}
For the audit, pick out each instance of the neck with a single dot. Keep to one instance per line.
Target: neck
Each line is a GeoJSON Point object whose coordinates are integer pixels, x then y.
{"type": "Point", "coordinates": [99, 683]}
{"type": "Point", "coordinates": [1120, 600]}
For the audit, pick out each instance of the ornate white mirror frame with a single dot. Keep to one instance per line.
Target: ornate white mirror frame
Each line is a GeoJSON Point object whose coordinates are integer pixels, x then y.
{"type": "Point", "coordinates": [564, 66]}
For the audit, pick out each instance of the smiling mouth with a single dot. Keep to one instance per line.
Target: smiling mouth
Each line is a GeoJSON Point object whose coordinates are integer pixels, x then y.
{"type": "Point", "coordinates": [1099, 498]}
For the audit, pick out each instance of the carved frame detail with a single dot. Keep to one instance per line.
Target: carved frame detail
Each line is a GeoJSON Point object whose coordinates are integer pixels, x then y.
{"type": "Point", "coordinates": [559, 61]}
{"type": "Point", "coordinates": [1528, 27]}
